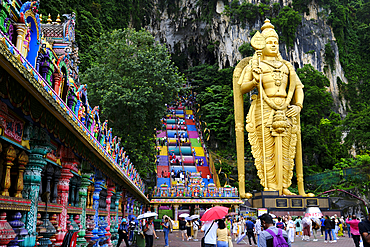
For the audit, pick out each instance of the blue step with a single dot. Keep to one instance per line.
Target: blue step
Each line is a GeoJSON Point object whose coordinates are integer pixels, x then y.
{"type": "Point", "coordinates": [205, 181]}
{"type": "Point", "coordinates": [190, 168]}
{"type": "Point", "coordinates": [192, 128]}
{"type": "Point", "coordinates": [161, 181]}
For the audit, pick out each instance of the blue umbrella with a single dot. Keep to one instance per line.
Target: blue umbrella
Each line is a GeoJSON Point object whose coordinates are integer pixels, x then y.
{"type": "Point", "coordinates": [188, 218]}
{"type": "Point", "coordinates": [240, 238]}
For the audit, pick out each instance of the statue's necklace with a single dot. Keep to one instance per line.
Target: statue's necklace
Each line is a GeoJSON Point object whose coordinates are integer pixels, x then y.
{"type": "Point", "coordinates": [277, 74]}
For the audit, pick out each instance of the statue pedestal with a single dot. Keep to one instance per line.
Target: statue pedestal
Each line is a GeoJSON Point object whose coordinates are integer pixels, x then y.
{"type": "Point", "coordinates": [287, 205]}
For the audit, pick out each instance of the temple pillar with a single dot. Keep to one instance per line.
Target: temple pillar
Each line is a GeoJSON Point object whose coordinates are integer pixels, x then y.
{"type": "Point", "coordinates": [236, 208]}
{"type": "Point", "coordinates": [9, 155]}
{"type": "Point", "coordinates": [21, 31]}
{"type": "Point", "coordinates": [22, 162]}
{"type": "Point", "coordinates": [97, 188]}
{"type": "Point", "coordinates": [68, 164]}
{"type": "Point", "coordinates": [39, 146]}
{"type": "Point", "coordinates": [108, 200]}
{"type": "Point", "coordinates": [57, 81]}
{"type": "Point", "coordinates": [54, 194]}
{"type": "Point", "coordinates": [176, 212]}
{"type": "Point", "coordinates": [116, 202]}
{"type": "Point", "coordinates": [85, 182]}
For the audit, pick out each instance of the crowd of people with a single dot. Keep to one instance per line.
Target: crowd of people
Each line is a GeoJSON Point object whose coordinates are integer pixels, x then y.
{"type": "Point", "coordinates": [261, 232]}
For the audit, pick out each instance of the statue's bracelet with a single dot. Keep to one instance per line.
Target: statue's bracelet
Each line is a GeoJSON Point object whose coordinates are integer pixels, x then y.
{"type": "Point", "coordinates": [299, 104]}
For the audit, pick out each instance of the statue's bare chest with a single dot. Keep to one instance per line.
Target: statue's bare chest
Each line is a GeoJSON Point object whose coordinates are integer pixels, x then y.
{"type": "Point", "coordinates": [275, 77]}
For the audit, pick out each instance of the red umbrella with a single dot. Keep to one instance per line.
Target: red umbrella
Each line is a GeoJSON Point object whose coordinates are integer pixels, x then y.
{"type": "Point", "coordinates": [215, 213]}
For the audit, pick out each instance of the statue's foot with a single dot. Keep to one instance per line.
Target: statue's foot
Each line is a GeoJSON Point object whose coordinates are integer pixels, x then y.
{"type": "Point", "coordinates": [287, 192]}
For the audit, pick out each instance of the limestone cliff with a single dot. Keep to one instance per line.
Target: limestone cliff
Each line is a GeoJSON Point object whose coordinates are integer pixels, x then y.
{"type": "Point", "coordinates": [194, 40]}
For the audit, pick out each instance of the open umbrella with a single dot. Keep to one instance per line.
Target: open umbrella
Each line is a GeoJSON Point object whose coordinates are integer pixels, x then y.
{"type": "Point", "coordinates": [184, 215]}
{"type": "Point", "coordinates": [147, 215]}
{"type": "Point", "coordinates": [169, 220]}
{"type": "Point", "coordinates": [188, 218]}
{"type": "Point", "coordinates": [195, 216]}
{"type": "Point", "coordinates": [215, 213]}
{"type": "Point", "coordinates": [240, 238]}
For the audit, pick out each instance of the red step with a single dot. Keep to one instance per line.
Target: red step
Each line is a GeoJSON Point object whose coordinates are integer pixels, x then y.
{"type": "Point", "coordinates": [204, 170]}
{"type": "Point", "coordinates": [160, 169]}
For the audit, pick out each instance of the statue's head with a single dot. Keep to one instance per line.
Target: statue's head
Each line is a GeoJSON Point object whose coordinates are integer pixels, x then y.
{"type": "Point", "coordinates": [272, 39]}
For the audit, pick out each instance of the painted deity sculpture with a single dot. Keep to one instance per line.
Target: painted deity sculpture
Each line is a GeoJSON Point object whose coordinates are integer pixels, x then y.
{"type": "Point", "coordinates": [275, 134]}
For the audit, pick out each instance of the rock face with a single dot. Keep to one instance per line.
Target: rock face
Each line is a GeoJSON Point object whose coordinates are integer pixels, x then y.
{"type": "Point", "coordinates": [194, 40]}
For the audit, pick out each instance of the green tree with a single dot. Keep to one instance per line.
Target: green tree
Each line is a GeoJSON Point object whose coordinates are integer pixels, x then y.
{"type": "Point", "coordinates": [287, 22]}
{"type": "Point", "coordinates": [321, 127]}
{"type": "Point", "coordinates": [246, 49]}
{"type": "Point", "coordinates": [131, 79]}
{"type": "Point", "coordinates": [357, 125]}
{"type": "Point", "coordinates": [215, 98]}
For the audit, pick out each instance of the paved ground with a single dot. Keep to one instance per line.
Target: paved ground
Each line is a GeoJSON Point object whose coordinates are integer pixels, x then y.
{"type": "Point", "coordinates": [175, 241]}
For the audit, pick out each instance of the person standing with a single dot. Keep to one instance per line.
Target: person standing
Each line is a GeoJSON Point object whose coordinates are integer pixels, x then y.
{"type": "Point", "coordinates": [250, 231]}
{"type": "Point", "coordinates": [166, 230]}
{"type": "Point", "coordinates": [133, 224]}
{"type": "Point", "coordinates": [196, 227]}
{"type": "Point", "coordinates": [306, 223]}
{"type": "Point", "coordinates": [364, 228]}
{"type": "Point", "coordinates": [122, 232]}
{"type": "Point", "coordinates": [290, 229]}
{"type": "Point", "coordinates": [188, 229]}
{"type": "Point", "coordinates": [222, 234]}
{"type": "Point", "coordinates": [298, 226]}
{"type": "Point", "coordinates": [333, 229]}
{"type": "Point", "coordinates": [258, 231]}
{"type": "Point", "coordinates": [322, 220]}
{"type": "Point", "coordinates": [266, 238]}
{"type": "Point", "coordinates": [149, 233]}
{"type": "Point", "coordinates": [354, 229]}
{"type": "Point", "coordinates": [182, 227]}
{"type": "Point", "coordinates": [235, 229]}
{"type": "Point", "coordinates": [348, 227]}
{"type": "Point", "coordinates": [210, 233]}
{"type": "Point", "coordinates": [315, 227]}
{"type": "Point", "coordinates": [327, 224]}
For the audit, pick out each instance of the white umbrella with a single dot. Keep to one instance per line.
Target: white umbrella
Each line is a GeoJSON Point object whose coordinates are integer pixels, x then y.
{"type": "Point", "coordinates": [194, 217]}
{"type": "Point", "coordinates": [169, 220]}
{"type": "Point", "coordinates": [184, 215]}
{"type": "Point", "coordinates": [273, 215]}
{"type": "Point", "coordinates": [146, 215]}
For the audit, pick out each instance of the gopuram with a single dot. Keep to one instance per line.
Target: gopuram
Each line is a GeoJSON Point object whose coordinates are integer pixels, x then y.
{"type": "Point", "coordinates": [272, 123]}
{"type": "Point", "coordinates": [62, 170]}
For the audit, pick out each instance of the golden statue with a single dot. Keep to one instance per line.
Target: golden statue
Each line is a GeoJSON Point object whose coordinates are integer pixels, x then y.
{"type": "Point", "coordinates": [275, 135]}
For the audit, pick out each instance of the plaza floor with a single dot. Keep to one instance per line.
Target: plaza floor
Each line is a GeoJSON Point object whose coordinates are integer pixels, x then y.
{"type": "Point", "coordinates": [176, 241]}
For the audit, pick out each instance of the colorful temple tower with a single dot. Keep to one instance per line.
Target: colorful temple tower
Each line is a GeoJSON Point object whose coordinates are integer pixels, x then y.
{"type": "Point", "coordinates": [61, 171]}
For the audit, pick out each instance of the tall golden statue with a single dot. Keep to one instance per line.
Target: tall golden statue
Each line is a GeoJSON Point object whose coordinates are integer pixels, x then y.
{"type": "Point", "coordinates": [275, 135]}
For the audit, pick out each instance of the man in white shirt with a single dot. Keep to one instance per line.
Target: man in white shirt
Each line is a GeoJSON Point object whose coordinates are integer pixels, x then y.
{"type": "Point", "coordinates": [210, 239]}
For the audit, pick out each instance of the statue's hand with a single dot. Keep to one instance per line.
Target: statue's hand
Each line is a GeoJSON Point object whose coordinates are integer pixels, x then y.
{"type": "Point", "coordinates": [293, 111]}
{"type": "Point", "coordinates": [257, 71]}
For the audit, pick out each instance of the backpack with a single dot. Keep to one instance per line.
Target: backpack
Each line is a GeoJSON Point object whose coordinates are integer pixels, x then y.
{"type": "Point", "coordinates": [298, 224]}
{"type": "Point", "coordinates": [278, 240]}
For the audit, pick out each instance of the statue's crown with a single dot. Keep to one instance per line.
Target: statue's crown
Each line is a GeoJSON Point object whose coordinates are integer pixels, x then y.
{"type": "Point", "coordinates": [268, 30]}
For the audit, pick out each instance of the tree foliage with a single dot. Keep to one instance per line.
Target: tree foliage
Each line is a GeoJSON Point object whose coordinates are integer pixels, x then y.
{"type": "Point", "coordinates": [131, 79]}
{"type": "Point", "coordinates": [214, 95]}
{"type": "Point", "coordinates": [287, 22]}
{"type": "Point", "coordinates": [321, 127]}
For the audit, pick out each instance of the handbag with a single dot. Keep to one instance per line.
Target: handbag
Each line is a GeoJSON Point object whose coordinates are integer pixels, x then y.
{"type": "Point", "coordinates": [202, 243]}
{"type": "Point", "coordinates": [230, 241]}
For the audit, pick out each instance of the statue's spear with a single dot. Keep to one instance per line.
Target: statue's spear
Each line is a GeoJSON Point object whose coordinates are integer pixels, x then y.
{"type": "Point", "coordinates": [258, 42]}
